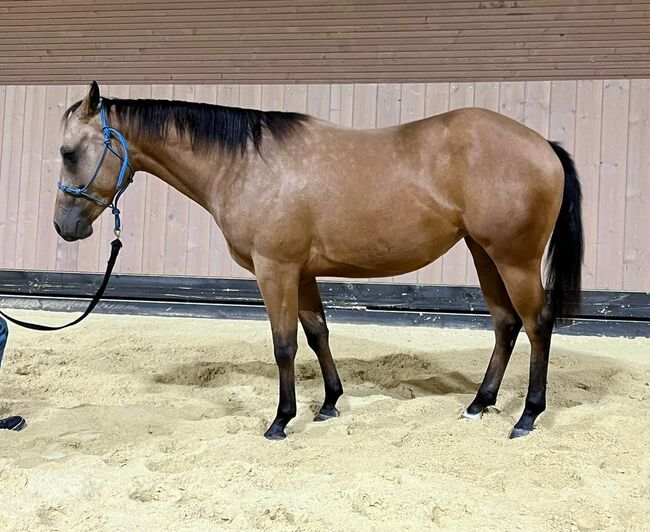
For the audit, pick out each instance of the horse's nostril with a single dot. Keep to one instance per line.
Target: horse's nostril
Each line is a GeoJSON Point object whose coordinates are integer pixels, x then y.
{"type": "Point", "coordinates": [58, 229]}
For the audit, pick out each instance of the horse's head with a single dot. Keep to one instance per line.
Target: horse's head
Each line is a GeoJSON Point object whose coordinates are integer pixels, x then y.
{"type": "Point", "coordinates": [90, 170]}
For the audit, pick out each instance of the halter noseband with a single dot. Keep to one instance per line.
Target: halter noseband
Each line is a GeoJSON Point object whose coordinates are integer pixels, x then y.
{"type": "Point", "coordinates": [122, 182]}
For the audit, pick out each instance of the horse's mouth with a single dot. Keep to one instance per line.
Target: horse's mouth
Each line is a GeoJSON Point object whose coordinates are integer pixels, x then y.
{"type": "Point", "coordinates": [80, 231]}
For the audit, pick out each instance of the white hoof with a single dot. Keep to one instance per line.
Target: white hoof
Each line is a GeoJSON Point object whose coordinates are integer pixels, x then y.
{"type": "Point", "coordinates": [467, 415]}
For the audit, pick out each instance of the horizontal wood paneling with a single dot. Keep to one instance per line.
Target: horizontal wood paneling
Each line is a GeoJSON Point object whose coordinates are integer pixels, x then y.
{"type": "Point", "coordinates": [314, 41]}
{"type": "Point", "coordinates": [605, 124]}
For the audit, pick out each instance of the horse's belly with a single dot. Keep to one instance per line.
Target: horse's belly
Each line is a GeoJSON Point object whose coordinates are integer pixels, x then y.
{"type": "Point", "coordinates": [380, 255]}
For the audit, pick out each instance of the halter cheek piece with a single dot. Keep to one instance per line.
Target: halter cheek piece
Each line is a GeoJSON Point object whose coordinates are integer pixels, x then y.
{"type": "Point", "coordinates": [110, 134]}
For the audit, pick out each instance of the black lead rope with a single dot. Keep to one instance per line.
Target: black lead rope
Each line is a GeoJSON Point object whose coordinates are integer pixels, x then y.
{"type": "Point", "coordinates": [116, 245]}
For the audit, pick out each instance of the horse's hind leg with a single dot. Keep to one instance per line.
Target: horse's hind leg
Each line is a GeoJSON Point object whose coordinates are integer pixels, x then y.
{"type": "Point", "coordinates": [507, 325]}
{"type": "Point", "coordinates": [524, 285]}
{"type": "Point", "coordinates": [312, 318]}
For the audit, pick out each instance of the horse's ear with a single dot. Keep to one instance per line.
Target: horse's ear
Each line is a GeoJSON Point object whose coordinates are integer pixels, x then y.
{"type": "Point", "coordinates": [90, 103]}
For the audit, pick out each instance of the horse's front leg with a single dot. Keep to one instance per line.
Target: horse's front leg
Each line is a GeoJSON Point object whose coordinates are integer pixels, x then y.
{"type": "Point", "coordinates": [278, 283]}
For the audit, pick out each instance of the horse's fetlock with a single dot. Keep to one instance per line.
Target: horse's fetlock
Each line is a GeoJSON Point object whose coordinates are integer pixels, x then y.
{"type": "Point", "coordinates": [334, 392]}
{"type": "Point", "coordinates": [535, 405]}
{"type": "Point", "coordinates": [487, 398]}
{"type": "Point", "coordinates": [286, 412]}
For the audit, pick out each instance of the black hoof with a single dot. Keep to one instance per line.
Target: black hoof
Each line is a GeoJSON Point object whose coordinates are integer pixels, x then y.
{"type": "Point", "coordinates": [518, 433]}
{"type": "Point", "coordinates": [13, 423]}
{"type": "Point", "coordinates": [326, 414]}
{"type": "Point", "coordinates": [275, 434]}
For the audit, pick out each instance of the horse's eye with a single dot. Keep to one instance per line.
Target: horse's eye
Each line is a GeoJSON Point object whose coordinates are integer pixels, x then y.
{"type": "Point", "coordinates": [68, 155]}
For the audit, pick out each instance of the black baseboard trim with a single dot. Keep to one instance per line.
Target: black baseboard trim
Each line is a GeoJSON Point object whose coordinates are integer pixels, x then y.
{"type": "Point", "coordinates": [602, 312]}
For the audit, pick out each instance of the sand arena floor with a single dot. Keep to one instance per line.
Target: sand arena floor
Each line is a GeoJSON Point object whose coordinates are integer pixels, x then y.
{"type": "Point", "coordinates": [156, 424]}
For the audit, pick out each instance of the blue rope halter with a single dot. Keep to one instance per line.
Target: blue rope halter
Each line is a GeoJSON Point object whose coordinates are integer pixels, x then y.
{"type": "Point", "coordinates": [110, 133]}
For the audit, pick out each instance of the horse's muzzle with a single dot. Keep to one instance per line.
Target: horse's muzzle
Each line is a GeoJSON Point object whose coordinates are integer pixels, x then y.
{"type": "Point", "coordinates": [73, 230]}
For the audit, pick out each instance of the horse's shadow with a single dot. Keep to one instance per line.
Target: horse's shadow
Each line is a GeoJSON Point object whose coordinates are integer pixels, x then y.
{"type": "Point", "coordinates": [398, 375]}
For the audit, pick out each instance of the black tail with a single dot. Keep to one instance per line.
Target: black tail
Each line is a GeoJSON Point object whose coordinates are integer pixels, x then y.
{"type": "Point", "coordinates": [565, 250]}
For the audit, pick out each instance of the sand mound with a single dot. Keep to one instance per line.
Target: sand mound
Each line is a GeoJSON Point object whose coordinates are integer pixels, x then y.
{"type": "Point", "coordinates": [156, 424]}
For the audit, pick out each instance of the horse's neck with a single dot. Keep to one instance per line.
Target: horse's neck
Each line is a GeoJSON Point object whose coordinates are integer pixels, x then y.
{"type": "Point", "coordinates": [196, 174]}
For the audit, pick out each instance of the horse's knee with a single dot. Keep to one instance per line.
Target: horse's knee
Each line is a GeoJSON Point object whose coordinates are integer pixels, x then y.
{"type": "Point", "coordinates": [507, 325]}
{"type": "Point", "coordinates": [285, 352]}
{"type": "Point", "coordinates": [541, 326]}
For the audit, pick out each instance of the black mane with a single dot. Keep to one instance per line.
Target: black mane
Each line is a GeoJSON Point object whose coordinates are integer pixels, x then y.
{"type": "Point", "coordinates": [206, 125]}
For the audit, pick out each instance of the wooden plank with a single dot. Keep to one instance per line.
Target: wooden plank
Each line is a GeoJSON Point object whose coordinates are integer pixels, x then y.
{"type": "Point", "coordinates": [324, 54]}
{"type": "Point", "coordinates": [30, 177]}
{"type": "Point", "coordinates": [250, 96]}
{"type": "Point", "coordinates": [537, 103]}
{"type": "Point", "coordinates": [62, 48]}
{"type": "Point", "coordinates": [436, 102]}
{"type": "Point", "coordinates": [155, 205]}
{"type": "Point", "coordinates": [12, 146]}
{"type": "Point", "coordinates": [3, 93]}
{"type": "Point", "coordinates": [342, 104]}
{"type": "Point", "coordinates": [636, 273]}
{"type": "Point", "coordinates": [344, 77]}
{"type": "Point", "coordinates": [511, 100]}
{"type": "Point", "coordinates": [388, 105]}
{"type": "Point", "coordinates": [385, 13]}
{"type": "Point", "coordinates": [318, 100]}
{"type": "Point", "coordinates": [486, 95]}
{"type": "Point", "coordinates": [252, 8]}
{"type": "Point", "coordinates": [46, 237]}
{"type": "Point", "coordinates": [295, 98]}
{"type": "Point", "coordinates": [413, 100]}
{"type": "Point", "coordinates": [611, 200]}
{"type": "Point", "coordinates": [562, 120]}
{"type": "Point", "coordinates": [377, 44]}
{"type": "Point", "coordinates": [456, 261]}
{"type": "Point", "coordinates": [589, 106]}
{"type": "Point", "coordinates": [272, 97]}
{"type": "Point", "coordinates": [364, 113]}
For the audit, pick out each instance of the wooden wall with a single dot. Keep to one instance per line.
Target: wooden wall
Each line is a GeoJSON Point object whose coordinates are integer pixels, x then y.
{"type": "Point", "coordinates": [604, 123]}
{"type": "Point", "coordinates": [318, 41]}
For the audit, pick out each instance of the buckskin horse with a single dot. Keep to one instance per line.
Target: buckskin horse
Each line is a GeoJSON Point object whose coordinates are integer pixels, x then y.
{"type": "Point", "coordinates": [297, 197]}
